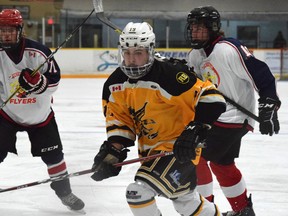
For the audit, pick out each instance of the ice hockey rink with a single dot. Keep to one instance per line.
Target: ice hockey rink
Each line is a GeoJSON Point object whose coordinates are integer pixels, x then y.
{"type": "Point", "coordinates": [77, 104]}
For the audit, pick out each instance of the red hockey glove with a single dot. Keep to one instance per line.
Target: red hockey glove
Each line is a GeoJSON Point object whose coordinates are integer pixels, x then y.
{"type": "Point", "coordinates": [36, 84]}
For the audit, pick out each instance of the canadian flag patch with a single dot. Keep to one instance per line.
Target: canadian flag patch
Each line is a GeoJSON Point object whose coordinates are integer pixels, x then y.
{"type": "Point", "coordinates": [116, 87]}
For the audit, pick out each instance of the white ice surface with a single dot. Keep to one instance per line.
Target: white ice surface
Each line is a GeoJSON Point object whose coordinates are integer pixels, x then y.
{"type": "Point", "coordinates": [77, 103]}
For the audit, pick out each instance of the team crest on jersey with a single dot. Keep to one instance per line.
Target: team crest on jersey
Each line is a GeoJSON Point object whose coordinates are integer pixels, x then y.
{"type": "Point", "coordinates": [21, 97]}
{"type": "Point", "coordinates": [210, 73]}
{"type": "Point", "coordinates": [14, 86]}
{"type": "Point", "coordinates": [182, 78]}
{"type": "Point", "coordinates": [13, 75]}
{"type": "Point", "coordinates": [21, 94]}
{"type": "Point", "coordinates": [145, 125]}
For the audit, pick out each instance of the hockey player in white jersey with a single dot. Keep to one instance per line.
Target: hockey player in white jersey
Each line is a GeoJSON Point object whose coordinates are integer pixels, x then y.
{"type": "Point", "coordinates": [237, 73]}
{"type": "Point", "coordinates": [30, 109]}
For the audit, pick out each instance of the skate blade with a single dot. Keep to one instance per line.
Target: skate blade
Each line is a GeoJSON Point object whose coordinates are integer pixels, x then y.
{"type": "Point", "coordinates": [78, 212]}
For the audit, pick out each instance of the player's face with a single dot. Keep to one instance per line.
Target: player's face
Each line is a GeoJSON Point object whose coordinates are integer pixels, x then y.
{"type": "Point", "coordinates": [8, 34]}
{"type": "Point", "coordinates": [135, 56]}
{"type": "Point", "coordinates": [199, 32]}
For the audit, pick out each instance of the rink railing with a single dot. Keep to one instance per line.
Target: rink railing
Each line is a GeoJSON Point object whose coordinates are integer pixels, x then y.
{"type": "Point", "coordinates": [100, 62]}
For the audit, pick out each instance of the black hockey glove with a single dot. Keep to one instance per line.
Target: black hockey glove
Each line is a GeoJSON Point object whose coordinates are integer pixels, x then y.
{"type": "Point", "coordinates": [268, 115]}
{"type": "Point", "coordinates": [184, 147]}
{"type": "Point", "coordinates": [36, 84]}
{"type": "Point", "coordinates": [103, 162]}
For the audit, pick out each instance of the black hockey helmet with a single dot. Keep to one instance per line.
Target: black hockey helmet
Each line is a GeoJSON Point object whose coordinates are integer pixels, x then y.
{"type": "Point", "coordinates": [210, 17]}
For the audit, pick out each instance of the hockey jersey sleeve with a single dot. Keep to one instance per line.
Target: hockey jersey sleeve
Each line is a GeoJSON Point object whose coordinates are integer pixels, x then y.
{"type": "Point", "coordinates": [50, 68]}
{"type": "Point", "coordinates": [208, 110]}
{"type": "Point", "coordinates": [262, 77]}
{"type": "Point", "coordinates": [53, 74]}
{"type": "Point", "coordinates": [117, 116]}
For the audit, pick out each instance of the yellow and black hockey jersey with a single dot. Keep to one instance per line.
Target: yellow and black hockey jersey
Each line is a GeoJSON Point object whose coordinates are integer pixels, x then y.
{"type": "Point", "coordinates": [156, 108]}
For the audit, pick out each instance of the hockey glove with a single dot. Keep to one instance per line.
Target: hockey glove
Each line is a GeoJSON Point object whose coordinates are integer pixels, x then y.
{"type": "Point", "coordinates": [36, 83]}
{"type": "Point", "coordinates": [268, 115]}
{"type": "Point", "coordinates": [103, 162]}
{"type": "Point", "coordinates": [184, 147]}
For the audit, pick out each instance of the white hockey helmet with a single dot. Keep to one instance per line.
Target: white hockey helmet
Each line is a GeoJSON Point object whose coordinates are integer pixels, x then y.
{"type": "Point", "coordinates": [139, 35]}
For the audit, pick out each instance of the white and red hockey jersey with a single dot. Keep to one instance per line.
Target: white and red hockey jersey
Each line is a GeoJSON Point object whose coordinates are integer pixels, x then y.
{"type": "Point", "coordinates": [237, 74]}
{"type": "Point", "coordinates": [23, 109]}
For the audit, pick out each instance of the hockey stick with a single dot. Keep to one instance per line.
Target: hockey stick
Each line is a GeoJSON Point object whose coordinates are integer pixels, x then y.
{"type": "Point", "coordinates": [241, 108]}
{"type": "Point", "coordinates": [49, 57]}
{"type": "Point", "coordinates": [98, 7]}
{"type": "Point", "coordinates": [84, 172]}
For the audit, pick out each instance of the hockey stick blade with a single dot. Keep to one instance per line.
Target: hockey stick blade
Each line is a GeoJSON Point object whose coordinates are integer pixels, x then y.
{"type": "Point", "coordinates": [98, 7]}
{"type": "Point", "coordinates": [83, 172]}
{"type": "Point", "coordinates": [48, 58]}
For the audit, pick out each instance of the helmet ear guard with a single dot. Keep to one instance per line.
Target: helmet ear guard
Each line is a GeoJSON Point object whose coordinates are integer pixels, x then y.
{"type": "Point", "coordinates": [138, 35]}
{"type": "Point", "coordinates": [11, 18]}
{"type": "Point", "coordinates": [207, 15]}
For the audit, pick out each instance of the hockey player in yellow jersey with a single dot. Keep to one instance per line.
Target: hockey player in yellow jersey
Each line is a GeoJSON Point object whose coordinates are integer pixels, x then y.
{"type": "Point", "coordinates": [166, 108]}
